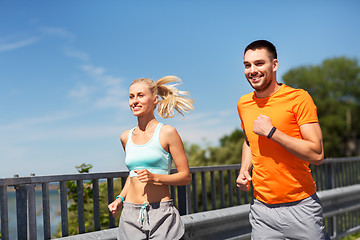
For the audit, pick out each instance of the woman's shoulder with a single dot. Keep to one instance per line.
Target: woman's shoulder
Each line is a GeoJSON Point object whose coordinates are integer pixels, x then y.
{"type": "Point", "coordinates": [168, 130]}
{"type": "Point", "coordinates": [124, 136]}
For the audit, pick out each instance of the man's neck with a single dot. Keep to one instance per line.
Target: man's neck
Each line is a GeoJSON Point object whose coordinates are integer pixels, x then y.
{"type": "Point", "coordinates": [273, 88]}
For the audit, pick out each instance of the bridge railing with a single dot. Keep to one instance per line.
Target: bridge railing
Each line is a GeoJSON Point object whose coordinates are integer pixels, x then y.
{"type": "Point", "coordinates": [233, 222]}
{"type": "Point", "coordinates": [212, 187]}
{"type": "Point", "coordinates": [336, 172]}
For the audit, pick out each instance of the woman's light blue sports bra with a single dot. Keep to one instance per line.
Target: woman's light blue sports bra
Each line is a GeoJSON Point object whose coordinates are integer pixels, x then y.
{"type": "Point", "coordinates": [150, 155]}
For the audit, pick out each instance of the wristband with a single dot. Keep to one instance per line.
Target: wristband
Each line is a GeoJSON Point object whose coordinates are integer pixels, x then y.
{"type": "Point", "coordinates": [271, 132]}
{"type": "Point", "coordinates": [118, 196]}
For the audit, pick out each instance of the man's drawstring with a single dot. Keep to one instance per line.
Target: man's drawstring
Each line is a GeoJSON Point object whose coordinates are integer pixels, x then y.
{"type": "Point", "coordinates": [143, 214]}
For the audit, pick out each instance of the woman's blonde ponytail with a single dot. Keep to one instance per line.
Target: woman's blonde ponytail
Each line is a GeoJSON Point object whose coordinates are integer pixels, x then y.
{"type": "Point", "coordinates": [171, 98]}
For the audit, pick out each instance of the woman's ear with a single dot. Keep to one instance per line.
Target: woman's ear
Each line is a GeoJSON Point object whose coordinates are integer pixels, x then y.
{"type": "Point", "coordinates": [156, 99]}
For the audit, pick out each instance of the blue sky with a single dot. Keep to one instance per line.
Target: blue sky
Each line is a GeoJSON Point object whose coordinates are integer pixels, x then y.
{"type": "Point", "coordinates": [65, 68]}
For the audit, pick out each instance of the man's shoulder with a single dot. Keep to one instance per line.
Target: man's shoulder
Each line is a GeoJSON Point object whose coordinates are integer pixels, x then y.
{"type": "Point", "coordinates": [294, 92]}
{"type": "Point", "coordinates": [246, 97]}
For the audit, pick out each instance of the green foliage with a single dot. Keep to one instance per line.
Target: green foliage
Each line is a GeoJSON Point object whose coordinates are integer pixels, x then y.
{"type": "Point", "coordinates": [355, 236]}
{"type": "Point", "coordinates": [234, 137]}
{"type": "Point", "coordinates": [88, 204]}
{"type": "Point", "coordinates": [195, 154]}
{"type": "Point", "coordinates": [228, 152]}
{"type": "Point", "coordinates": [335, 87]}
{"type": "Point", "coordinates": [72, 188]}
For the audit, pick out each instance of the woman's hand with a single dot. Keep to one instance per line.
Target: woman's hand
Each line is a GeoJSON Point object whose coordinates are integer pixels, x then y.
{"type": "Point", "coordinates": [145, 176]}
{"type": "Point", "coordinates": [115, 207]}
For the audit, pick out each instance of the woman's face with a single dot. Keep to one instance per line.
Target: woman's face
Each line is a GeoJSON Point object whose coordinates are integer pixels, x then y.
{"type": "Point", "coordinates": [141, 100]}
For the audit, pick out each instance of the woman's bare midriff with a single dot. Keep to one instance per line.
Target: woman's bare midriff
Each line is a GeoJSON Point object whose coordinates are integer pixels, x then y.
{"type": "Point", "coordinates": [147, 192]}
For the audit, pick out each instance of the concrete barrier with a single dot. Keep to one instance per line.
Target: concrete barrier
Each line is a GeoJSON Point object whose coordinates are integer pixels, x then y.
{"type": "Point", "coordinates": [233, 222]}
{"type": "Point", "coordinates": [227, 223]}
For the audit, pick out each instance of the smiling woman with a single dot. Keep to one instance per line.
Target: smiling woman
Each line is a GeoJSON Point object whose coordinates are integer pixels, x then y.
{"type": "Point", "coordinates": [171, 96]}
{"type": "Point", "coordinates": [150, 148]}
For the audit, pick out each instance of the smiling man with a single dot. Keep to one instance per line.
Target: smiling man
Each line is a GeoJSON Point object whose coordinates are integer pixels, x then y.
{"type": "Point", "coordinates": [282, 137]}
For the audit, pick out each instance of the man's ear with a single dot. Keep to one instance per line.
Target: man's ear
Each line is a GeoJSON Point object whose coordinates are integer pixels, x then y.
{"type": "Point", "coordinates": [275, 65]}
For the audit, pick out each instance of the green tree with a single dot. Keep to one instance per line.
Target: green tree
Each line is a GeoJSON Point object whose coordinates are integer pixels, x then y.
{"type": "Point", "coordinates": [335, 87]}
{"type": "Point", "coordinates": [196, 155]}
{"type": "Point", "coordinates": [228, 151]}
{"type": "Point", "coordinates": [88, 204]}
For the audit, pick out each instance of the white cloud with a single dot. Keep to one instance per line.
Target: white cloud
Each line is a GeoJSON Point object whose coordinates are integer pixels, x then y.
{"type": "Point", "coordinates": [95, 72]}
{"type": "Point", "coordinates": [201, 134]}
{"type": "Point", "coordinates": [13, 42]}
{"type": "Point", "coordinates": [59, 32]}
{"type": "Point", "coordinates": [114, 95]}
{"type": "Point", "coordinates": [111, 101]}
{"type": "Point", "coordinates": [72, 133]}
{"type": "Point", "coordinates": [54, 127]}
{"type": "Point", "coordinates": [77, 54]}
{"type": "Point", "coordinates": [106, 91]}
{"type": "Point", "coordinates": [29, 122]}
{"type": "Point", "coordinates": [205, 127]}
{"type": "Point", "coordinates": [5, 45]}
{"type": "Point", "coordinates": [81, 92]}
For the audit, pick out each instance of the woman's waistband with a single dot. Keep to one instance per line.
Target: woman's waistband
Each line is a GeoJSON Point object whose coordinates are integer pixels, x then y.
{"type": "Point", "coordinates": [153, 205]}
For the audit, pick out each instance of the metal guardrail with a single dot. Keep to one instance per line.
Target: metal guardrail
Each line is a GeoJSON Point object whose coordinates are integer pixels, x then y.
{"type": "Point", "coordinates": [342, 210]}
{"type": "Point", "coordinates": [336, 172]}
{"type": "Point", "coordinates": [214, 183]}
{"type": "Point", "coordinates": [26, 206]}
{"type": "Point", "coordinates": [233, 222]}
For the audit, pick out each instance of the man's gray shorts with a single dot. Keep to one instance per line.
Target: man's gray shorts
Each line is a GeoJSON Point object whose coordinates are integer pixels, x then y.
{"type": "Point", "coordinates": [159, 220]}
{"type": "Point", "coordinates": [295, 221]}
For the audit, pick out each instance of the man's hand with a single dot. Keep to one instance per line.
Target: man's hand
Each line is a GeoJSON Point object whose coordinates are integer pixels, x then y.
{"type": "Point", "coordinates": [262, 125]}
{"type": "Point", "coordinates": [243, 181]}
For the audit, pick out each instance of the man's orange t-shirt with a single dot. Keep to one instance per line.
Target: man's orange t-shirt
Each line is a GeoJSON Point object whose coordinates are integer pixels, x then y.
{"type": "Point", "coordinates": [278, 176]}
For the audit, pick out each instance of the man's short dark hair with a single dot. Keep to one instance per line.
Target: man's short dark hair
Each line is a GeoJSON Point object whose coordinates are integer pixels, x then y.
{"type": "Point", "coordinates": [262, 44]}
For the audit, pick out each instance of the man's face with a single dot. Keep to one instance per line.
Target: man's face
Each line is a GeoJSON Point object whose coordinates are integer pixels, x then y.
{"type": "Point", "coordinates": [260, 69]}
